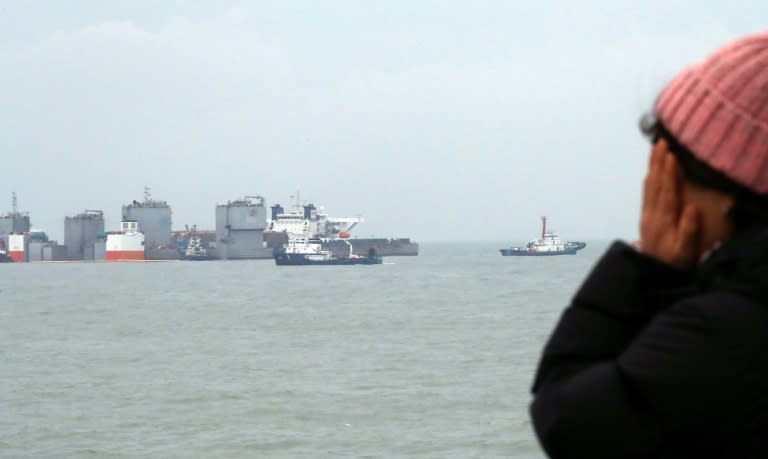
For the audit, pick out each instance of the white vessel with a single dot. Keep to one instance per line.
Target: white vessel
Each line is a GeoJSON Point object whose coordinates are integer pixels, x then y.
{"type": "Point", "coordinates": [334, 232]}
{"type": "Point", "coordinates": [308, 219]}
{"type": "Point", "coordinates": [195, 250]}
{"type": "Point", "coordinates": [302, 250]}
{"type": "Point", "coordinates": [18, 245]}
{"type": "Point", "coordinates": [127, 245]}
{"type": "Point", "coordinates": [310, 250]}
{"type": "Point", "coordinates": [549, 244]}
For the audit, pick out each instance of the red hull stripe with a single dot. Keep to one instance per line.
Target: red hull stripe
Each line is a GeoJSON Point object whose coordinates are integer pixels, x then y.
{"type": "Point", "coordinates": [116, 255]}
{"type": "Point", "coordinates": [18, 257]}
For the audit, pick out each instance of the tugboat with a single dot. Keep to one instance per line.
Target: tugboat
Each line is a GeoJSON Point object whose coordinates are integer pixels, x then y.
{"type": "Point", "coordinates": [301, 250]}
{"type": "Point", "coordinates": [195, 250]}
{"type": "Point", "coordinates": [4, 257]}
{"type": "Point", "coordinates": [549, 245]}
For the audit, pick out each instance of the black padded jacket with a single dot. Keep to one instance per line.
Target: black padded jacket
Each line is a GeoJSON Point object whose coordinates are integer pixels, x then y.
{"type": "Point", "coordinates": [650, 361]}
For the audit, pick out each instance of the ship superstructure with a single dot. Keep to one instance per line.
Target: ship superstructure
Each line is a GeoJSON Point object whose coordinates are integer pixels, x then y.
{"type": "Point", "coordinates": [127, 245]}
{"type": "Point", "coordinates": [307, 218]}
{"type": "Point", "coordinates": [18, 247]}
{"type": "Point", "coordinates": [81, 233]}
{"type": "Point", "coordinates": [13, 222]}
{"type": "Point", "coordinates": [40, 248]}
{"type": "Point", "coordinates": [334, 233]}
{"type": "Point", "coordinates": [240, 229]}
{"type": "Point", "coordinates": [154, 221]}
{"type": "Point", "coordinates": [24, 243]}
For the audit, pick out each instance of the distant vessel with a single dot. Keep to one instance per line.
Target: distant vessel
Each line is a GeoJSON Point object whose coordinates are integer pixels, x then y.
{"type": "Point", "coordinates": [153, 221]}
{"type": "Point", "coordinates": [13, 223]}
{"type": "Point", "coordinates": [4, 257]}
{"type": "Point", "coordinates": [195, 250]}
{"type": "Point", "coordinates": [334, 233]}
{"type": "Point", "coordinates": [18, 247]}
{"type": "Point", "coordinates": [549, 245]}
{"type": "Point", "coordinates": [240, 229]}
{"type": "Point", "coordinates": [301, 250]}
{"type": "Point", "coordinates": [308, 219]}
{"type": "Point", "coordinates": [127, 245]}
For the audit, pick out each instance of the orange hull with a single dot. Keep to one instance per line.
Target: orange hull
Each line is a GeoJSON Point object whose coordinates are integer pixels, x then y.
{"type": "Point", "coordinates": [18, 257]}
{"type": "Point", "coordinates": [120, 255]}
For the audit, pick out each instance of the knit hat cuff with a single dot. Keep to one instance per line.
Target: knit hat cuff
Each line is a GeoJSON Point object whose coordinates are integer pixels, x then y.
{"type": "Point", "coordinates": [714, 130]}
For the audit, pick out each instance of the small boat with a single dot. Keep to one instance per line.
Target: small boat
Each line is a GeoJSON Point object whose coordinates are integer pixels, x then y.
{"type": "Point", "coordinates": [195, 250]}
{"type": "Point", "coordinates": [4, 257]}
{"type": "Point", "coordinates": [549, 245]}
{"type": "Point", "coordinates": [301, 250]}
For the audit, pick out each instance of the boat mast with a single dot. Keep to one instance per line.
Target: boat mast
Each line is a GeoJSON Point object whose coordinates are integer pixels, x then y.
{"type": "Point", "coordinates": [543, 226]}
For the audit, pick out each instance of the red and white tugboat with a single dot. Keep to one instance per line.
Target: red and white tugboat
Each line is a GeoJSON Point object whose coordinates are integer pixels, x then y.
{"type": "Point", "coordinates": [549, 244]}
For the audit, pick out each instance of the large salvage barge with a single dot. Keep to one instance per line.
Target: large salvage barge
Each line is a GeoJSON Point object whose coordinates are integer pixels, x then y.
{"type": "Point", "coordinates": [243, 231]}
{"type": "Point", "coordinates": [334, 233]}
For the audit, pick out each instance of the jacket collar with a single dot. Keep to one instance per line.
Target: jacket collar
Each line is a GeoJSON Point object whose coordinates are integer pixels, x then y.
{"type": "Point", "coordinates": [740, 264]}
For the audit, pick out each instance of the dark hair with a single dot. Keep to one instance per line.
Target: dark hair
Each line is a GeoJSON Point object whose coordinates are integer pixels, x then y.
{"type": "Point", "coordinates": [749, 207]}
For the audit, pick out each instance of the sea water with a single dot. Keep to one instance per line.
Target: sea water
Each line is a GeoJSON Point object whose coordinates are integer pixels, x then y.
{"type": "Point", "coordinates": [428, 356]}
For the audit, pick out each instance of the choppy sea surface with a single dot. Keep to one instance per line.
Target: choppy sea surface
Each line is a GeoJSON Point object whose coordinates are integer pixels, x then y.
{"type": "Point", "coordinates": [424, 357]}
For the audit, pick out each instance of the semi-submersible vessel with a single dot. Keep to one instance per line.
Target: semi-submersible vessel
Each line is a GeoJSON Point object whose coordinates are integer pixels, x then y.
{"type": "Point", "coordinates": [243, 231]}
{"type": "Point", "coordinates": [334, 233]}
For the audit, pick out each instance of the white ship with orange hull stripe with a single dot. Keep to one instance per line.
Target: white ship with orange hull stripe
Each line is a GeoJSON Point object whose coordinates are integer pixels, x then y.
{"type": "Point", "coordinates": [17, 247]}
{"type": "Point", "coordinates": [128, 245]}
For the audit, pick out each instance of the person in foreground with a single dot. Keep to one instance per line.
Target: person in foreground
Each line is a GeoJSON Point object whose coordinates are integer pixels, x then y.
{"type": "Point", "coordinates": [664, 349]}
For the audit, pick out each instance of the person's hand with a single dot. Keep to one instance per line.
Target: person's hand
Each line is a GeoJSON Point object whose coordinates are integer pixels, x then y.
{"type": "Point", "coordinates": [669, 231]}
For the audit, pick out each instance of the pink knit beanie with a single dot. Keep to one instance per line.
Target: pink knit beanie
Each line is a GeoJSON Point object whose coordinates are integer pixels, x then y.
{"type": "Point", "coordinates": [718, 109]}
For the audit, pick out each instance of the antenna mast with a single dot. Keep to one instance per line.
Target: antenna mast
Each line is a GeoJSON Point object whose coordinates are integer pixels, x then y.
{"type": "Point", "coordinates": [543, 226]}
{"type": "Point", "coordinates": [14, 203]}
{"type": "Point", "coordinates": [147, 194]}
{"type": "Point", "coordinates": [297, 204]}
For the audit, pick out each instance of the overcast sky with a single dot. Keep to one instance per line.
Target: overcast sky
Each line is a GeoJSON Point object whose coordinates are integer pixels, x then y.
{"type": "Point", "coordinates": [435, 120]}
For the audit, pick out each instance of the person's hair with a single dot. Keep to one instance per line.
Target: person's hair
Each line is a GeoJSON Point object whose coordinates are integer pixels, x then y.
{"type": "Point", "coordinates": [749, 207]}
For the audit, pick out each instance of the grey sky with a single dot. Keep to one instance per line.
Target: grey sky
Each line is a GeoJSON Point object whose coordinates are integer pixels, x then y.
{"type": "Point", "coordinates": [435, 120]}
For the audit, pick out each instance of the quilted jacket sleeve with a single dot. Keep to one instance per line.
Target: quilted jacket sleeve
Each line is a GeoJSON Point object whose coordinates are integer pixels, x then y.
{"type": "Point", "coordinates": [615, 374]}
